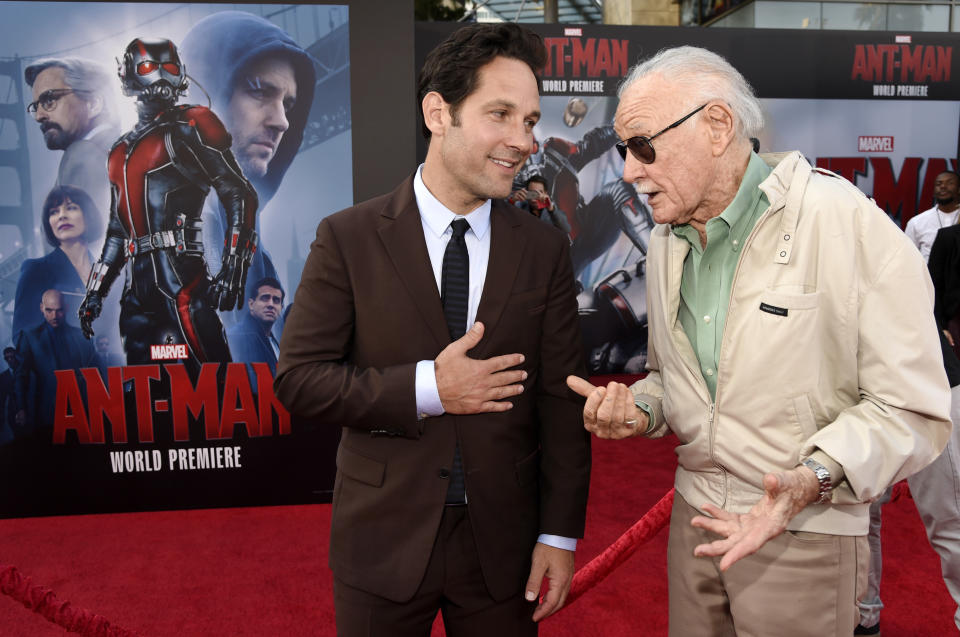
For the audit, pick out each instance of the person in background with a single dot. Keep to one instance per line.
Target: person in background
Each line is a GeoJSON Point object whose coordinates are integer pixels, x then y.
{"type": "Point", "coordinates": [161, 172]}
{"type": "Point", "coordinates": [922, 229]}
{"type": "Point", "coordinates": [261, 84]}
{"type": "Point", "coordinates": [252, 340]}
{"type": "Point", "coordinates": [44, 348]}
{"type": "Point", "coordinates": [71, 222]}
{"type": "Point", "coordinates": [74, 107]}
{"type": "Point", "coordinates": [534, 199]}
{"type": "Point", "coordinates": [8, 396]}
{"type": "Point", "coordinates": [108, 357]}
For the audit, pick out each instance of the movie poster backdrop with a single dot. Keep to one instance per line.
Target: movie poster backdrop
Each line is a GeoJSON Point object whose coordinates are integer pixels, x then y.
{"type": "Point", "coordinates": [878, 108]}
{"type": "Point", "coordinates": [80, 430]}
{"type": "Point", "coordinates": [882, 109]}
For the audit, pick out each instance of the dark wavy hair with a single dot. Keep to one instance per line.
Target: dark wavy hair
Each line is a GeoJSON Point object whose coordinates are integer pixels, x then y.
{"type": "Point", "coordinates": [537, 179]}
{"type": "Point", "coordinates": [92, 221]}
{"type": "Point", "coordinates": [451, 69]}
{"type": "Point", "coordinates": [268, 281]}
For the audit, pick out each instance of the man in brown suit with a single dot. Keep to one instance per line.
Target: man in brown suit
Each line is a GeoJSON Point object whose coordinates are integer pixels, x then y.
{"type": "Point", "coordinates": [463, 465]}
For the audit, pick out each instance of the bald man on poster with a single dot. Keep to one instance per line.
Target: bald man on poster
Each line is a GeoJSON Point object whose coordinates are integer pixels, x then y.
{"type": "Point", "coordinates": [791, 341]}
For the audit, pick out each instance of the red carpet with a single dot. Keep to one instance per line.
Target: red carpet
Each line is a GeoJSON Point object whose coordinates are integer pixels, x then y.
{"type": "Point", "coordinates": [262, 571]}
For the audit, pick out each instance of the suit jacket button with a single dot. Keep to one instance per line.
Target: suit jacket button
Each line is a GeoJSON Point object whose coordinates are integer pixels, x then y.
{"type": "Point", "coordinates": [444, 473]}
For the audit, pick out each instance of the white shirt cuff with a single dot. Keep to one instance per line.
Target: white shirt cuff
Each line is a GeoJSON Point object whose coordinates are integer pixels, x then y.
{"type": "Point", "coordinates": [428, 398]}
{"type": "Point", "coordinates": [558, 541]}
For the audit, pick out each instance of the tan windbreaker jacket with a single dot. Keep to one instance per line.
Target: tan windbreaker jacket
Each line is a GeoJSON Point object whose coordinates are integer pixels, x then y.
{"type": "Point", "coordinates": [846, 359]}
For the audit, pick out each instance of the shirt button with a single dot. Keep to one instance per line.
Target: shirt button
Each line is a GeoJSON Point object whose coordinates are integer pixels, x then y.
{"type": "Point", "coordinates": [444, 473]}
{"type": "Point", "coordinates": [709, 372]}
{"type": "Point", "coordinates": [736, 242]}
{"type": "Point", "coordinates": [706, 319]}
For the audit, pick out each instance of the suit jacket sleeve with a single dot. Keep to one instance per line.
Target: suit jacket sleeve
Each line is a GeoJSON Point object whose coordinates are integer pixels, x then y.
{"type": "Point", "coordinates": [565, 444]}
{"type": "Point", "coordinates": [315, 376]}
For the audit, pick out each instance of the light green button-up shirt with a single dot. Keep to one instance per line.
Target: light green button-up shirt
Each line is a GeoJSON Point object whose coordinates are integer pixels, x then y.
{"type": "Point", "coordinates": [708, 272]}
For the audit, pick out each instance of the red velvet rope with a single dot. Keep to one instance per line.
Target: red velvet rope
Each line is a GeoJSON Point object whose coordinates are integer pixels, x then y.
{"type": "Point", "coordinates": [620, 551]}
{"type": "Point", "coordinates": [900, 490]}
{"type": "Point", "coordinates": [44, 601]}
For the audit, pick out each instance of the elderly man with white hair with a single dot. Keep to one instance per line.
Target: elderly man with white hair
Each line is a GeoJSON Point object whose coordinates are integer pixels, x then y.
{"type": "Point", "coordinates": [791, 334]}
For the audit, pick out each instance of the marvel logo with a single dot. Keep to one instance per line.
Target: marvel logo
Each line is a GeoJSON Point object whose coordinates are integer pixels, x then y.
{"type": "Point", "coordinates": [875, 143]}
{"type": "Point", "coordinates": [168, 352]}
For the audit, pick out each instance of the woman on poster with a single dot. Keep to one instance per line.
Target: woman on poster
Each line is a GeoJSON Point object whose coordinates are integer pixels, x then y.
{"type": "Point", "coordinates": [70, 223]}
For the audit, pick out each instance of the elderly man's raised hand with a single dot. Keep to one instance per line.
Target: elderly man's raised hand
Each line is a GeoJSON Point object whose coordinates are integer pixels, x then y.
{"type": "Point", "coordinates": [785, 495]}
{"type": "Point", "coordinates": [610, 412]}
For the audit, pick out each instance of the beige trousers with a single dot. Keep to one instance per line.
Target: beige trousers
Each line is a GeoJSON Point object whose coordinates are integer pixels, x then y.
{"type": "Point", "coordinates": [797, 584]}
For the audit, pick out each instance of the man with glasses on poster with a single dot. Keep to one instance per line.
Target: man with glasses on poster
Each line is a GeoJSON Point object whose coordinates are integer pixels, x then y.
{"type": "Point", "coordinates": [72, 105]}
{"type": "Point", "coordinates": [790, 340]}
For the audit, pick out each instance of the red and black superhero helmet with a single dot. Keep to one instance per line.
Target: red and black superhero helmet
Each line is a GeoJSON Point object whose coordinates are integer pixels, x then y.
{"type": "Point", "coordinates": [152, 70]}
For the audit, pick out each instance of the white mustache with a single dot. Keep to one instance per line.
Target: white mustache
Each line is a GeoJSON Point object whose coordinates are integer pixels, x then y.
{"type": "Point", "coordinates": [644, 188]}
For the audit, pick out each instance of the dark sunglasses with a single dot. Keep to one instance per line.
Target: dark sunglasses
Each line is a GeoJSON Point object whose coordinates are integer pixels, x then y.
{"type": "Point", "coordinates": [49, 99]}
{"type": "Point", "coordinates": [641, 148]}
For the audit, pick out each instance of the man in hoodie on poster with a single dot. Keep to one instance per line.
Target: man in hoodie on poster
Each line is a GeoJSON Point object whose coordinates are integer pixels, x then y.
{"type": "Point", "coordinates": [260, 83]}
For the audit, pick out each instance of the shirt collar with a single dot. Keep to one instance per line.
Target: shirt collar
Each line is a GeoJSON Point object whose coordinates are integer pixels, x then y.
{"type": "Point", "coordinates": [437, 217]}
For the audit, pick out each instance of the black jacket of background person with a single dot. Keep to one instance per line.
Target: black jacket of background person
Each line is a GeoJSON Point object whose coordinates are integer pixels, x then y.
{"type": "Point", "coordinates": [950, 362]}
{"type": "Point", "coordinates": [944, 265]}
{"type": "Point", "coordinates": [39, 360]}
{"type": "Point", "coordinates": [249, 344]}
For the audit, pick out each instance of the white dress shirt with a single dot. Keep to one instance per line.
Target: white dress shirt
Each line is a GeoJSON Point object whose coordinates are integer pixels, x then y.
{"type": "Point", "coordinates": [436, 219]}
{"type": "Point", "coordinates": [923, 228]}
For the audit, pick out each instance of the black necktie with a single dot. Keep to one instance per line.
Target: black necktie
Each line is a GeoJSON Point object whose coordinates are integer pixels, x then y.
{"type": "Point", "coordinates": [454, 295]}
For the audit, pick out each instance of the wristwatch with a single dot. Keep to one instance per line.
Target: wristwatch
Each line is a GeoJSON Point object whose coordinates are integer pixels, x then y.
{"type": "Point", "coordinates": [823, 477]}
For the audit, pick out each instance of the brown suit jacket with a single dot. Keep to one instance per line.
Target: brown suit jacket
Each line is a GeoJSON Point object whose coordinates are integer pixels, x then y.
{"type": "Point", "coordinates": [366, 311]}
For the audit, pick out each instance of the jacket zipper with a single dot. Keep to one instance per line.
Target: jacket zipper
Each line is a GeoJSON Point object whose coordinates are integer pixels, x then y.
{"type": "Point", "coordinates": [723, 342]}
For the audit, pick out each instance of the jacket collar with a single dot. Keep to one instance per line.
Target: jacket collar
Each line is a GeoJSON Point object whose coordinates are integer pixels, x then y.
{"type": "Point", "coordinates": [785, 188]}
{"type": "Point", "coordinates": [506, 250]}
{"type": "Point", "coordinates": [401, 232]}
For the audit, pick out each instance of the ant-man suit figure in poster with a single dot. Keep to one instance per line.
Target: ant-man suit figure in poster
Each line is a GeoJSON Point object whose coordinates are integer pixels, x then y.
{"type": "Point", "coordinates": [160, 173]}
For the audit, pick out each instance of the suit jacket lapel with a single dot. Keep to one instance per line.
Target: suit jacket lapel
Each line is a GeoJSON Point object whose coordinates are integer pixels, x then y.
{"type": "Point", "coordinates": [506, 249]}
{"type": "Point", "coordinates": [402, 234]}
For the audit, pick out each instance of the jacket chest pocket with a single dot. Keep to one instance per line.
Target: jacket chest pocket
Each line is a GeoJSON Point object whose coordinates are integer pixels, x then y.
{"type": "Point", "coordinates": [779, 308]}
{"type": "Point", "coordinates": [529, 302]}
{"type": "Point", "coordinates": [788, 334]}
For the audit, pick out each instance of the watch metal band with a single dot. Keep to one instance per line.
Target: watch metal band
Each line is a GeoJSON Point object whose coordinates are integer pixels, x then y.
{"type": "Point", "coordinates": [823, 477]}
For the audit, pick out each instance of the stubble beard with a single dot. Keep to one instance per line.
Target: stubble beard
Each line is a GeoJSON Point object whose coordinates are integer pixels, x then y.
{"type": "Point", "coordinates": [252, 167]}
